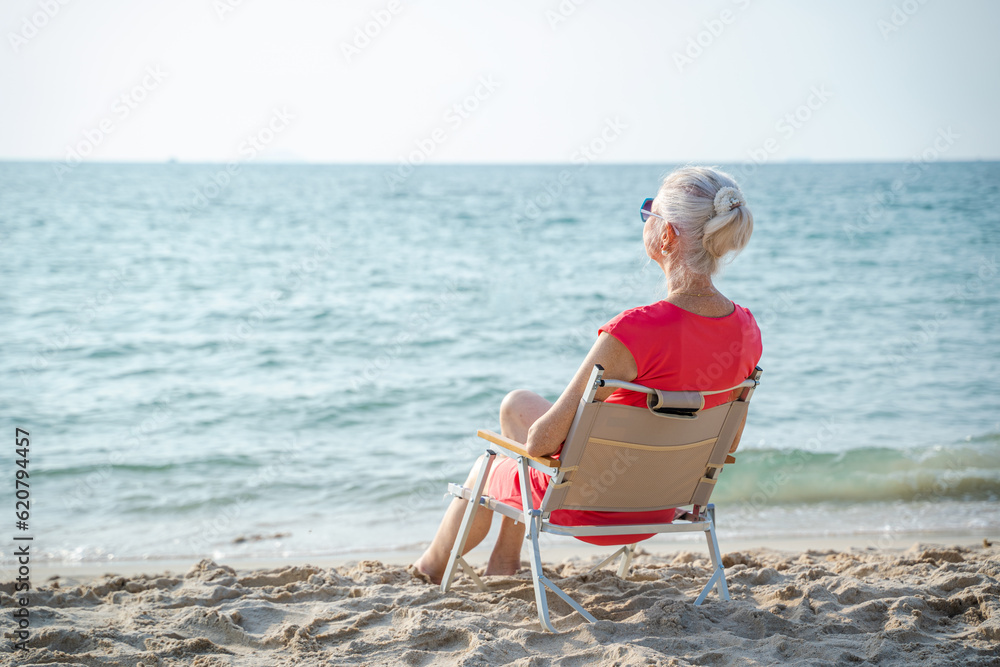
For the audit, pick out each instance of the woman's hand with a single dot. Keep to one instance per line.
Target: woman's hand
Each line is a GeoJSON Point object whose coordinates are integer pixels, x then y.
{"type": "Point", "coordinates": [549, 431]}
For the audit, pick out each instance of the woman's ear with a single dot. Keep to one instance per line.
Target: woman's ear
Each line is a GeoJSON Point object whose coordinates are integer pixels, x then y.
{"type": "Point", "coordinates": [668, 236]}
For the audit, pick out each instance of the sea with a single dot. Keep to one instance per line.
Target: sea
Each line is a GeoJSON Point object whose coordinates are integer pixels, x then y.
{"type": "Point", "coordinates": [292, 361]}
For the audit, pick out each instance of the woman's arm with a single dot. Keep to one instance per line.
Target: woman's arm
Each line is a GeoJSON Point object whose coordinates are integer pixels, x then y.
{"type": "Point", "coordinates": [546, 435]}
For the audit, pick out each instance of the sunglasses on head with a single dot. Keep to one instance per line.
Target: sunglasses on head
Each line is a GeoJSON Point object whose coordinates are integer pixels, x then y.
{"type": "Point", "coordinates": [646, 210]}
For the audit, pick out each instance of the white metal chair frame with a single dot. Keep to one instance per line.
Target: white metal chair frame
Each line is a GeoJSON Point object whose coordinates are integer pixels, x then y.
{"type": "Point", "coordinates": [673, 405]}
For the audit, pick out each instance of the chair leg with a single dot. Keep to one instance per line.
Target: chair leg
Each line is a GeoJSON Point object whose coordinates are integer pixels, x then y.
{"type": "Point", "coordinates": [625, 553]}
{"type": "Point", "coordinates": [537, 579]}
{"type": "Point", "coordinates": [471, 574]}
{"type": "Point", "coordinates": [568, 600]}
{"type": "Point", "coordinates": [532, 521]}
{"type": "Point", "coordinates": [626, 564]}
{"type": "Point", "coordinates": [463, 532]}
{"type": "Point", "coordinates": [718, 578]}
{"type": "Point", "coordinates": [607, 560]}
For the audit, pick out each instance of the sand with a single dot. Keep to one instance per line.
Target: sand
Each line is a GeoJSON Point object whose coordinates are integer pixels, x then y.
{"type": "Point", "coordinates": [922, 606]}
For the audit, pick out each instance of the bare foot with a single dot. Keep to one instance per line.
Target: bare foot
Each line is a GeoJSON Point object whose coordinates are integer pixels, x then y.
{"type": "Point", "coordinates": [418, 572]}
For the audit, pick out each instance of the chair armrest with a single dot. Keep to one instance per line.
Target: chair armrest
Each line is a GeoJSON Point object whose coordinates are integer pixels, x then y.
{"type": "Point", "coordinates": [516, 447]}
{"type": "Point", "coordinates": [730, 459]}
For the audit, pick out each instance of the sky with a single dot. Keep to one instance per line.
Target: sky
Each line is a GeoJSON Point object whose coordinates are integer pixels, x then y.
{"type": "Point", "coordinates": [545, 81]}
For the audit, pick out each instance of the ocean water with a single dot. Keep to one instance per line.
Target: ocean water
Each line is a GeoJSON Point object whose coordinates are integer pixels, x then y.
{"type": "Point", "coordinates": [295, 362]}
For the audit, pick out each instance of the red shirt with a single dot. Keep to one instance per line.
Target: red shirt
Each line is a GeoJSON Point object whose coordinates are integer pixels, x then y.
{"type": "Point", "coordinates": [677, 350]}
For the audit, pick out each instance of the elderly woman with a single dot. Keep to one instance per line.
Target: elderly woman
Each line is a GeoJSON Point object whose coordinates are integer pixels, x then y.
{"type": "Point", "coordinates": [695, 339]}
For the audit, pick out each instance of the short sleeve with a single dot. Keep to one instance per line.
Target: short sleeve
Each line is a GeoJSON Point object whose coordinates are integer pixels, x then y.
{"type": "Point", "coordinates": [629, 328]}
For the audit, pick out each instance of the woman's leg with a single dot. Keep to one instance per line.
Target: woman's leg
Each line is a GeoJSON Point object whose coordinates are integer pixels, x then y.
{"type": "Point", "coordinates": [435, 559]}
{"type": "Point", "coordinates": [506, 555]}
{"type": "Point", "coordinates": [518, 411]}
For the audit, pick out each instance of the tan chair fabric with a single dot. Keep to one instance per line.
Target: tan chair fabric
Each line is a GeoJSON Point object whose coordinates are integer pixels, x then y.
{"type": "Point", "coordinates": [626, 458]}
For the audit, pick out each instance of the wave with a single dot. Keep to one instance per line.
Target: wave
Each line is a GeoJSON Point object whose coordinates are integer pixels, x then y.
{"type": "Point", "coordinates": [967, 471]}
{"type": "Point", "coordinates": [218, 464]}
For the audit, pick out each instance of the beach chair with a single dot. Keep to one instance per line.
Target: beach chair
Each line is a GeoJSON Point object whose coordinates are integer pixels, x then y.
{"type": "Point", "coordinates": [618, 458]}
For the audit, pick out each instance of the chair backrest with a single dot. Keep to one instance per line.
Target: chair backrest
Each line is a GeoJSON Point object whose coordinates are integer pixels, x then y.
{"type": "Point", "coordinates": [626, 458]}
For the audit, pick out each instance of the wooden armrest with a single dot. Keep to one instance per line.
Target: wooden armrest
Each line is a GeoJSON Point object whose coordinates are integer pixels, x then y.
{"type": "Point", "coordinates": [730, 459]}
{"type": "Point", "coordinates": [516, 447]}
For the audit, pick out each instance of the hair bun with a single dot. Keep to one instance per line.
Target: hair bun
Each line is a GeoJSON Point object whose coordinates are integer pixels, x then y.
{"type": "Point", "coordinates": [728, 198]}
{"type": "Point", "coordinates": [710, 215]}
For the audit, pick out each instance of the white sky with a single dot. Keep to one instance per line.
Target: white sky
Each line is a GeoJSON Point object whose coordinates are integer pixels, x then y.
{"type": "Point", "coordinates": [558, 85]}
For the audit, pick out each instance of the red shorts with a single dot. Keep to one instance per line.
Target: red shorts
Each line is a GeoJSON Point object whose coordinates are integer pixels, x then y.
{"type": "Point", "coordinates": [505, 486]}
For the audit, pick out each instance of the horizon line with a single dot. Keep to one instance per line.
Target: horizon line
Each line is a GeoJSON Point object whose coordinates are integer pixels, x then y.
{"type": "Point", "coordinates": [243, 163]}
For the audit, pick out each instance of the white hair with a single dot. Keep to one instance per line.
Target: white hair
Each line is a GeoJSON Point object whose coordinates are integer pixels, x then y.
{"type": "Point", "coordinates": [707, 232]}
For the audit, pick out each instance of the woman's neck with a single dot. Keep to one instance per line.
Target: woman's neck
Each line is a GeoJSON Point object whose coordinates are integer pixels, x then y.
{"type": "Point", "coordinates": [697, 294]}
{"type": "Point", "coordinates": [691, 284]}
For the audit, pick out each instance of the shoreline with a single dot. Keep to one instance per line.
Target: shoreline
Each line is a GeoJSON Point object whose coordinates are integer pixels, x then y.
{"type": "Point", "coordinates": [558, 551]}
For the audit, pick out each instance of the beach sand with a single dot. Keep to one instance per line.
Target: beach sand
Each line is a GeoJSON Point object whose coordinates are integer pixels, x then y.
{"type": "Point", "coordinates": [925, 605]}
